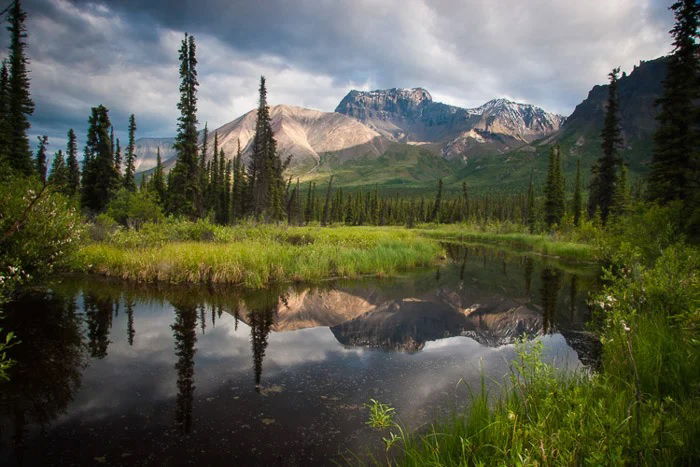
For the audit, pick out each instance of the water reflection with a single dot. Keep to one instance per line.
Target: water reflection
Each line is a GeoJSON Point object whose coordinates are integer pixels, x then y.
{"type": "Point", "coordinates": [49, 358]}
{"type": "Point", "coordinates": [98, 313]}
{"type": "Point", "coordinates": [185, 340]}
{"type": "Point", "coordinates": [323, 352]}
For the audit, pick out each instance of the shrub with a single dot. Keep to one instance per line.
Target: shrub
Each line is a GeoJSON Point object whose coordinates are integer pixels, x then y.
{"type": "Point", "coordinates": [38, 230]}
{"type": "Point", "coordinates": [133, 209]}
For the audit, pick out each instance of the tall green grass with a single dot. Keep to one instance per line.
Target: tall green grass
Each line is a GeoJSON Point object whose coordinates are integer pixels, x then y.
{"type": "Point", "coordinates": [640, 409]}
{"type": "Point", "coordinates": [256, 256]}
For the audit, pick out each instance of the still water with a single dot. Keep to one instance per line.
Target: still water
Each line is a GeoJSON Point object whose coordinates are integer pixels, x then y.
{"type": "Point", "coordinates": [124, 374]}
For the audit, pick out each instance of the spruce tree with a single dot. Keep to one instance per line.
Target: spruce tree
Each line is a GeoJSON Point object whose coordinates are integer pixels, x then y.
{"type": "Point", "coordinates": [554, 205]}
{"type": "Point", "coordinates": [4, 113]}
{"type": "Point", "coordinates": [577, 194]}
{"type": "Point", "coordinates": [435, 214]}
{"type": "Point", "coordinates": [676, 154]}
{"type": "Point", "coordinates": [40, 161]}
{"type": "Point", "coordinates": [265, 170]}
{"type": "Point", "coordinates": [118, 157]}
{"type": "Point", "coordinates": [73, 169]}
{"type": "Point", "coordinates": [238, 189]}
{"type": "Point", "coordinates": [604, 171]}
{"type": "Point", "coordinates": [19, 102]}
{"type": "Point", "coordinates": [58, 177]}
{"type": "Point", "coordinates": [158, 180]}
{"type": "Point", "coordinates": [621, 198]}
{"type": "Point", "coordinates": [130, 158]}
{"type": "Point", "coordinates": [465, 201]}
{"type": "Point", "coordinates": [531, 219]}
{"type": "Point", "coordinates": [184, 196]}
{"type": "Point", "coordinates": [203, 173]}
{"type": "Point", "coordinates": [100, 178]}
{"type": "Point", "coordinates": [327, 203]}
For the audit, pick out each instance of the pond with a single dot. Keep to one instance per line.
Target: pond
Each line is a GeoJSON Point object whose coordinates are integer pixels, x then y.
{"type": "Point", "coordinates": [117, 373]}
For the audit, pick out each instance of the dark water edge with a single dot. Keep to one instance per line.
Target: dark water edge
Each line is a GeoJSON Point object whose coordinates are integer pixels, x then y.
{"type": "Point", "coordinates": [117, 373]}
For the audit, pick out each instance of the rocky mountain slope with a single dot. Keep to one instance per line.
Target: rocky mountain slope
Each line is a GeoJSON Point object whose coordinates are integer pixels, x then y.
{"type": "Point", "coordinates": [411, 115]}
{"type": "Point", "coordinates": [304, 134]}
{"type": "Point", "coordinates": [638, 93]}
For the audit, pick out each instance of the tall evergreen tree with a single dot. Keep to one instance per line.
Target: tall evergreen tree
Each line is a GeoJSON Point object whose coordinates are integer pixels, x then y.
{"type": "Point", "coordinates": [184, 196]}
{"type": "Point", "coordinates": [238, 190]}
{"type": "Point", "coordinates": [118, 157]}
{"type": "Point", "coordinates": [675, 158]}
{"type": "Point", "coordinates": [577, 194]}
{"type": "Point", "coordinates": [4, 113]}
{"type": "Point", "coordinates": [266, 184]}
{"type": "Point", "coordinates": [465, 201]}
{"type": "Point", "coordinates": [531, 219]}
{"type": "Point", "coordinates": [158, 180]}
{"type": "Point", "coordinates": [40, 162]}
{"type": "Point", "coordinates": [604, 171]}
{"type": "Point", "coordinates": [554, 204]}
{"type": "Point", "coordinates": [327, 203]}
{"type": "Point", "coordinates": [58, 177]}
{"type": "Point", "coordinates": [100, 178]}
{"type": "Point", "coordinates": [73, 169]}
{"type": "Point", "coordinates": [435, 214]}
{"type": "Point", "coordinates": [203, 174]}
{"type": "Point", "coordinates": [19, 102]}
{"type": "Point", "coordinates": [130, 158]}
{"type": "Point", "coordinates": [621, 199]}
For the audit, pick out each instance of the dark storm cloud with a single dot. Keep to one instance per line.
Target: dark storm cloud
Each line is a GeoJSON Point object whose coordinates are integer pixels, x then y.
{"type": "Point", "coordinates": [123, 53]}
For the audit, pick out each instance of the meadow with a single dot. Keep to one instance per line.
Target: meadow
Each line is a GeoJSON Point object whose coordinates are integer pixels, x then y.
{"type": "Point", "coordinates": [258, 255]}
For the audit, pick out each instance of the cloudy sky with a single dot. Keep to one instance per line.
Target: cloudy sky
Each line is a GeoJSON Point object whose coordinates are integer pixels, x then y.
{"type": "Point", "coordinates": [123, 53]}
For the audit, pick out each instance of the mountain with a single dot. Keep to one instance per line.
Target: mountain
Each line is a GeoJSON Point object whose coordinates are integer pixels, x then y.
{"type": "Point", "coordinates": [638, 93]}
{"type": "Point", "coordinates": [147, 149]}
{"type": "Point", "coordinates": [411, 115]}
{"type": "Point", "coordinates": [400, 140]}
{"type": "Point", "coordinates": [303, 134]}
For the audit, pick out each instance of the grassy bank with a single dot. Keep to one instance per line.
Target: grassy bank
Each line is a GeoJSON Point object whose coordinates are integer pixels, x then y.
{"type": "Point", "coordinates": [254, 256]}
{"type": "Point", "coordinates": [542, 244]}
{"type": "Point", "coordinates": [639, 409]}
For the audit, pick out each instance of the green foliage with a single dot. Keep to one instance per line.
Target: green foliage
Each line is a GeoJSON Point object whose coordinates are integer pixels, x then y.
{"type": "Point", "coordinates": [133, 209]}
{"type": "Point", "coordinates": [38, 230]}
{"type": "Point", "coordinates": [380, 415]}
{"type": "Point", "coordinates": [643, 233]}
{"type": "Point", "coordinates": [5, 361]}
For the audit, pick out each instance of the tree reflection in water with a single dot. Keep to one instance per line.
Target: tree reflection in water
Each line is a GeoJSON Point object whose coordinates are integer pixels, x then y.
{"type": "Point", "coordinates": [262, 308]}
{"type": "Point", "coordinates": [98, 313]}
{"type": "Point", "coordinates": [49, 358]}
{"type": "Point", "coordinates": [185, 340]}
{"type": "Point", "coordinates": [550, 289]}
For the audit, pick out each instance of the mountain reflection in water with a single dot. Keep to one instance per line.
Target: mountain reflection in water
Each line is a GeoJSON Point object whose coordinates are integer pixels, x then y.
{"type": "Point", "coordinates": [122, 372]}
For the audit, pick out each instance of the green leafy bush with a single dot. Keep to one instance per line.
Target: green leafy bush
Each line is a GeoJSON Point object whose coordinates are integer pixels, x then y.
{"type": "Point", "coordinates": [38, 230]}
{"type": "Point", "coordinates": [133, 209]}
